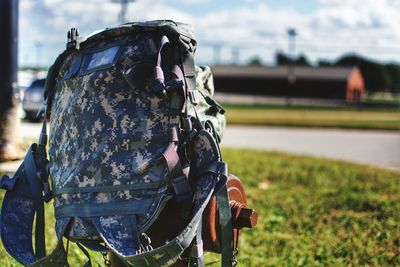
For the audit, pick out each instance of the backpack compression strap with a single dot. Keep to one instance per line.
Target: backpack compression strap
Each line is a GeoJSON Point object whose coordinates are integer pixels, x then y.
{"type": "Point", "coordinates": [206, 152]}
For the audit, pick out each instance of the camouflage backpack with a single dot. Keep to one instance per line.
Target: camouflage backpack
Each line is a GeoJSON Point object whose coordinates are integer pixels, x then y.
{"type": "Point", "coordinates": [131, 129]}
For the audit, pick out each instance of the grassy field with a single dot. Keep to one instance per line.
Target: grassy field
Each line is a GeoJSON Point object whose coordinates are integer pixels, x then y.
{"type": "Point", "coordinates": [314, 117]}
{"type": "Point", "coordinates": [313, 212]}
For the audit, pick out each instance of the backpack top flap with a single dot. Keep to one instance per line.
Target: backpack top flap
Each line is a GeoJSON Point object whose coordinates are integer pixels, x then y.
{"type": "Point", "coordinates": [109, 129]}
{"type": "Point", "coordinates": [167, 26]}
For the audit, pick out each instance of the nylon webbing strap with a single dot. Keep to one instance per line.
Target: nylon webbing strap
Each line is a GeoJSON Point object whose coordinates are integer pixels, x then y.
{"type": "Point", "coordinates": [36, 189]}
{"type": "Point", "coordinates": [158, 72]}
{"type": "Point", "coordinates": [58, 257]}
{"type": "Point", "coordinates": [197, 253]}
{"type": "Point", "coordinates": [179, 181]}
{"type": "Point", "coordinates": [216, 167]}
{"type": "Point", "coordinates": [225, 217]}
{"type": "Point", "coordinates": [50, 79]}
{"type": "Point", "coordinates": [170, 252]}
{"type": "Point", "coordinates": [83, 249]}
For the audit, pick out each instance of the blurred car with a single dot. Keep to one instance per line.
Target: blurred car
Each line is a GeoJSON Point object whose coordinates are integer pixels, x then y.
{"type": "Point", "coordinates": [33, 99]}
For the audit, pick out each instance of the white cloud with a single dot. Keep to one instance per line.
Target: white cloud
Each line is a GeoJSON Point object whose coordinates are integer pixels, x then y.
{"type": "Point", "coordinates": [334, 27]}
{"type": "Point", "coordinates": [367, 27]}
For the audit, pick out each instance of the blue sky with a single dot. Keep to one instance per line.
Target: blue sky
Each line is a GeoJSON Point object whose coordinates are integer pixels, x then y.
{"type": "Point", "coordinates": [244, 28]}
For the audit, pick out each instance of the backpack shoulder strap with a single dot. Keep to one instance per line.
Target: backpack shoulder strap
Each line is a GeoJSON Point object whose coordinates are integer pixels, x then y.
{"type": "Point", "coordinates": [20, 204]}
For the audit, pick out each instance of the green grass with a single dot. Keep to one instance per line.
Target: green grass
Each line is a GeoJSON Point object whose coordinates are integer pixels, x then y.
{"type": "Point", "coordinates": [383, 97]}
{"type": "Point", "coordinates": [314, 117]}
{"type": "Point", "coordinates": [312, 212]}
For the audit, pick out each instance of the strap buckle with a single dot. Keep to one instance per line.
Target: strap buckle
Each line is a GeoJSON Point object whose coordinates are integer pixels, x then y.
{"type": "Point", "coordinates": [194, 99]}
{"type": "Point", "coordinates": [192, 134]}
{"type": "Point", "coordinates": [160, 88]}
{"type": "Point", "coordinates": [44, 178]}
{"type": "Point", "coordinates": [182, 188]}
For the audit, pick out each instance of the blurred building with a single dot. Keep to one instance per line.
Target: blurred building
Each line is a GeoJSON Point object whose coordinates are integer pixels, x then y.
{"type": "Point", "coordinates": [339, 83]}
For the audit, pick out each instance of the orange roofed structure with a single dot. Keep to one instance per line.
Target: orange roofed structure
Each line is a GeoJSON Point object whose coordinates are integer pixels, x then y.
{"type": "Point", "coordinates": [339, 83]}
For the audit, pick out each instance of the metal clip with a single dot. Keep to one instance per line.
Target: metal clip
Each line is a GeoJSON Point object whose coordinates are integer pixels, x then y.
{"type": "Point", "coordinates": [146, 243]}
{"type": "Point", "coordinates": [106, 259]}
{"type": "Point", "coordinates": [40, 113]}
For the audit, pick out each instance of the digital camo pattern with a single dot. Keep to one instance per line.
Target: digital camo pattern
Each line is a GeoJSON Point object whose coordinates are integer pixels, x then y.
{"type": "Point", "coordinates": [119, 233]}
{"type": "Point", "coordinates": [89, 117]}
{"type": "Point", "coordinates": [207, 109]}
{"type": "Point", "coordinates": [17, 216]}
{"type": "Point", "coordinates": [16, 226]}
{"type": "Point", "coordinates": [109, 129]}
{"type": "Point", "coordinates": [176, 28]}
{"type": "Point", "coordinates": [204, 152]}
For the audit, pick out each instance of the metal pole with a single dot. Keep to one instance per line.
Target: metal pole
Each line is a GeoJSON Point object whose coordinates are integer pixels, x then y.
{"type": "Point", "coordinates": [291, 68]}
{"type": "Point", "coordinates": [124, 8]}
{"type": "Point", "coordinates": [9, 120]}
{"type": "Point", "coordinates": [39, 46]}
{"type": "Point", "coordinates": [216, 53]}
{"type": "Point", "coordinates": [8, 45]}
{"type": "Point", "coordinates": [291, 53]}
{"type": "Point", "coordinates": [235, 56]}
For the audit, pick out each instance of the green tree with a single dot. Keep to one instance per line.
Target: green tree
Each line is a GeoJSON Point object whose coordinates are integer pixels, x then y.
{"type": "Point", "coordinates": [282, 59]}
{"type": "Point", "coordinates": [255, 61]}
{"type": "Point", "coordinates": [375, 75]}
{"type": "Point", "coordinates": [393, 71]}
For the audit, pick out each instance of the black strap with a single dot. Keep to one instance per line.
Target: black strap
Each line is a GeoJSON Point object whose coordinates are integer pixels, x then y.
{"type": "Point", "coordinates": [51, 80]}
{"type": "Point", "coordinates": [225, 217]}
{"type": "Point", "coordinates": [216, 167]}
{"type": "Point", "coordinates": [84, 250]}
{"type": "Point", "coordinates": [38, 182]}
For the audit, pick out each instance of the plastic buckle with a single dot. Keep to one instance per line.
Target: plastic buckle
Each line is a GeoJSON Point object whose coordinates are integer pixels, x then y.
{"type": "Point", "coordinates": [174, 83]}
{"type": "Point", "coordinates": [44, 178]}
{"type": "Point", "coordinates": [182, 188]}
{"type": "Point", "coordinates": [197, 250]}
{"type": "Point", "coordinates": [159, 88]}
{"type": "Point", "coordinates": [193, 98]}
{"type": "Point", "coordinates": [188, 138]}
{"type": "Point", "coordinates": [187, 124]}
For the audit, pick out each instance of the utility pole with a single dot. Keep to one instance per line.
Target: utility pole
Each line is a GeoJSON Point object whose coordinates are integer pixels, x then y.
{"type": "Point", "coordinates": [235, 55]}
{"type": "Point", "coordinates": [124, 8]}
{"type": "Point", "coordinates": [39, 46]}
{"type": "Point", "coordinates": [292, 33]}
{"type": "Point", "coordinates": [9, 120]}
{"type": "Point", "coordinates": [216, 53]}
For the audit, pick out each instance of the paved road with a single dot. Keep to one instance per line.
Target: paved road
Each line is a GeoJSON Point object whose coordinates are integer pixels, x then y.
{"type": "Point", "coordinates": [380, 148]}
